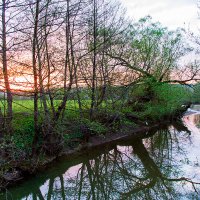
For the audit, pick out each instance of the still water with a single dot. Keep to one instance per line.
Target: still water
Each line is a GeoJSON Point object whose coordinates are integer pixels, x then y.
{"type": "Point", "coordinates": [162, 164]}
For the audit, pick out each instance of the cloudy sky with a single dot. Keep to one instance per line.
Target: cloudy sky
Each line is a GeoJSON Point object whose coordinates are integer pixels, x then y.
{"type": "Point", "coordinates": [171, 13]}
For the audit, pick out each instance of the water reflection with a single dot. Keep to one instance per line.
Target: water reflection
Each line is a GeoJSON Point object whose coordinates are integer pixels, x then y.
{"type": "Point", "coordinates": [163, 166]}
{"type": "Point", "coordinates": [196, 119]}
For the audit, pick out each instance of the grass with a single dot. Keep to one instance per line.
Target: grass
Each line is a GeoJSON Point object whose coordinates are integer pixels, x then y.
{"type": "Point", "coordinates": [28, 105]}
{"type": "Point", "coordinates": [23, 121]}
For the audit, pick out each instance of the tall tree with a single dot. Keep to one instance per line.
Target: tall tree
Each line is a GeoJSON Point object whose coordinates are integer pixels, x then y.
{"type": "Point", "coordinates": [4, 21]}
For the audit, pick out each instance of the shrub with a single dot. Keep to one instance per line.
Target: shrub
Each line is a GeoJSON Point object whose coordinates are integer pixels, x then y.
{"type": "Point", "coordinates": [196, 94]}
{"type": "Point", "coordinates": [167, 99]}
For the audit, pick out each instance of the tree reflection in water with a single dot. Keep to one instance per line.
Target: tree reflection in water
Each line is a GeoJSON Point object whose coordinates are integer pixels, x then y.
{"type": "Point", "coordinates": [143, 168]}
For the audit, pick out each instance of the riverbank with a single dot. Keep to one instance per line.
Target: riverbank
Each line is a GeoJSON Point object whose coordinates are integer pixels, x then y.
{"type": "Point", "coordinates": [19, 171]}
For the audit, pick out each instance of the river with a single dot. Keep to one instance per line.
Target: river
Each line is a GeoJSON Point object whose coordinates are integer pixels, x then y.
{"type": "Point", "coordinates": [161, 164]}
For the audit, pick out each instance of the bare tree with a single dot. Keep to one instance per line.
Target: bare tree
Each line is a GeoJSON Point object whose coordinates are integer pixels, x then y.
{"type": "Point", "coordinates": [5, 63]}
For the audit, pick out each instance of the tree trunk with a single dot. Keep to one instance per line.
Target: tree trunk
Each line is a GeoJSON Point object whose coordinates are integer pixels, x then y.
{"type": "Point", "coordinates": [5, 68]}
{"type": "Point", "coordinates": [94, 59]}
{"type": "Point", "coordinates": [35, 74]}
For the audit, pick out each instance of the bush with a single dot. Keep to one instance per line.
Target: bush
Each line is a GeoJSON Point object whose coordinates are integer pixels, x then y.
{"type": "Point", "coordinates": [196, 94]}
{"type": "Point", "coordinates": [167, 99]}
{"type": "Point", "coordinates": [94, 126]}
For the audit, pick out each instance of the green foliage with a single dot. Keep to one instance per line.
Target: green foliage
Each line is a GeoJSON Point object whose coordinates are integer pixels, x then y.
{"type": "Point", "coordinates": [172, 94]}
{"type": "Point", "coordinates": [196, 94]}
{"type": "Point", "coordinates": [155, 48]}
{"type": "Point", "coordinates": [95, 126]}
{"type": "Point", "coordinates": [23, 126]}
{"type": "Point", "coordinates": [167, 99]}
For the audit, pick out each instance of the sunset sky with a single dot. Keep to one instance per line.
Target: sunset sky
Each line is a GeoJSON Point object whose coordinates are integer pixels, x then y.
{"type": "Point", "coordinates": [171, 13]}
